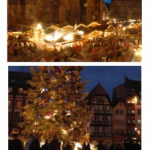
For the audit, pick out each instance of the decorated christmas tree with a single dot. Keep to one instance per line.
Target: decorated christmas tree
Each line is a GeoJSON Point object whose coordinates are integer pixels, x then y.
{"type": "Point", "coordinates": [56, 104]}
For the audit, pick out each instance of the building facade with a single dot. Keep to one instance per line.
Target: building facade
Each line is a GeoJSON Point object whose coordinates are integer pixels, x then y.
{"type": "Point", "coordinates": [129, 93]}
{"type": "Point", "coordinates": [100, 124]}
{"type": "Point", "coordinates": [126, 9]}
{"type": "Point", "coordinates": [119, 122]}
{"type": "Point", "coordinates": [17, 98]}
{"type": "Point", "coordinates": [53, 11]}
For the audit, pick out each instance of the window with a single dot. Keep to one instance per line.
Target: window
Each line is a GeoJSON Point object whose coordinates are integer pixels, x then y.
{"type": "Point", "coordinates": [129, 92]}
{"type": "Point", "coordinates": [9, 104]}
{"type": "Point", "coordinates": [10, 90]}
{"type": "Point", "coordinates": [119, 112]}
{"type": "Point", "coordinates": [131, 121]}
{"type": "Point", "coordinates": [12, 80]}
{"type": "Point", "coordinates": [104, 108]}
{"type": "Point", "coordinates": [20, 90]}
{"type": "Point", "coordinates": [25, 91]}
{"type": "Point", "coordinates": [130, 111]}
{"type": "Point", "coordinates": [18, 104]}
{"type": "Point", "coordinates": [96, 129]}
{"type": "Point", "coordinates": [105, 118]}
{"type": "Point", "coordinates": [139, 111]}
{"type": "Point", "coordinates": [9, 117]}
{"type": "Point", "coordinates": [119, 131]}
{"type": "Point", "coordinates": [96, 117]}
{"type": "Point", "coordinates": [16, 118]}
{"type": "Point", "coordinates": [139, 121]}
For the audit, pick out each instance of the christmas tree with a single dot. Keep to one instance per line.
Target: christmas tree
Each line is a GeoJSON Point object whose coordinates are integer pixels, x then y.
{"type": "Point", "coordinates": [56, 105]}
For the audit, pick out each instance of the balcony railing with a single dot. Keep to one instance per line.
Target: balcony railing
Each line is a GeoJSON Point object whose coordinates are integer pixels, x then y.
{"type": "Point", "coordinates": [101, 123]}
{"type": "Point", "coordinates": [102, 112]}
{"type": "Point", "coordinates": [101, 135]}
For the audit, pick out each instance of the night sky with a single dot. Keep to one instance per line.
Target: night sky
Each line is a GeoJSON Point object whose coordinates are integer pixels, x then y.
{"type": "Point", "coordinates": [107, 1]}
{"type": "Point", "coordinates": [108, 76]}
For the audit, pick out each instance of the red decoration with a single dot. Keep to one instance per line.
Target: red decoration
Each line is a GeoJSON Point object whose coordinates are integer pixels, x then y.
{"type": "Point", "coordinates": [43, 102]}
{"type": "Point", "coordinates": [39, 13]}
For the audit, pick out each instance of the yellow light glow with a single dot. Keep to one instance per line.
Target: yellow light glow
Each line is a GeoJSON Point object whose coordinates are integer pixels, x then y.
{"type": "Point", "coordinates": [77, 145]}
{"type": "Point", "coordinates": [136, 53]}
{"type": "Point", "coordinates": [55, 112]}
{"type": "Point", "coordinates": [42, 90]}
{"type": "Point", "coordinates": [48, 38]}
{"type": "Point", "coordinates": [81, 25]}
{"type": "Point", "coordinates": [94, 32]}
{"type": "Point", "coordinates": [68, 37]}
{"type": "Point", "coordinates": [47, 117]}
{"type": "Point", "coordinates": [39, 26]}
{"type": "Point", "coordinates": [57, 36]}
{"type": "Point", "coordinates": [81, 32]}
{"type": "Point", "coordinates": [135, 100]}
{"type": "Point", "coordinates": [64, 131]}
{"type": "Point", "coordinates": [67, 26]}
{"type": "Point", "coordinates": [93, 24]}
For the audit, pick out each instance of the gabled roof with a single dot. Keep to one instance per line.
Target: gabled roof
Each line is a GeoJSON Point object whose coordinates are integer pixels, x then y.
{"type": "Point", "coordinates": [98, 90]}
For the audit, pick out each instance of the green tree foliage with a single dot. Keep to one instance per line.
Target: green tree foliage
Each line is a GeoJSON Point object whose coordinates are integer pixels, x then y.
{"type": "Point", "coordinates": [57, 105]}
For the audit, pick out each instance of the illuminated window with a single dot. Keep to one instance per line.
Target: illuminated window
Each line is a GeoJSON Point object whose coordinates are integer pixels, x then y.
{"type": "Point", "coordinates": [9, 104]}
{"type": "Point", "coordinates": [139, 132]}
{"type": "Point", "coordinates": [130, 111]}
{"type": "Point", "coordinates": [18, 104]}
{"type": "Point", "coordinates": [139, 121]}
{"type": "Point", "coordinates": [20, 90]}
{"type": "Point", "coordinates": [25, 91]}
{"type": "Point", "coordinates": [128, 102]}
{"type": "Point", "coordinates": [10, 90]}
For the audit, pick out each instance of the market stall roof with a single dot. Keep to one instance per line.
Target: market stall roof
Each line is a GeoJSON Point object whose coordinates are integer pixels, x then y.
{"type": "Point", "coordinates": [110, 29]}
{"type": "Point", "coordinates": [95, 32]}
{"type": "Point", "coordinates": [33, 25]}
{"type": "Point", "coordinates": [49, 30]}
{"type": "Point", "coordinates": [81, 25]}
{"type": "Point", "coordinates": [67, 26]}
{"type": "Point", "coordinates": [109, 22]}
{"type": "Point", "coordinates": [115, 25]}
{"type": "Point", "coordinates": [53, 27]}
{"type": "Point", "coordinates": [93, 24]}
{"type": "Point", "coordinates": [102, 27]}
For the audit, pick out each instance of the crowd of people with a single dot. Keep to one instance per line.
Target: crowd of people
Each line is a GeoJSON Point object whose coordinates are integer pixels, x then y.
{"type": "Point", "coordinates": [114, 47]}
{"type": "Point", "coordinates": [33, 143]}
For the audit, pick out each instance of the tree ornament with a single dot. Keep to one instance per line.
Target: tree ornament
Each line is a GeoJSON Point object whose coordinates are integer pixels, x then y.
{"type": "Point", "coordinates": [43, 102]}
{"type": "Point", "coordinates": [53, 118]}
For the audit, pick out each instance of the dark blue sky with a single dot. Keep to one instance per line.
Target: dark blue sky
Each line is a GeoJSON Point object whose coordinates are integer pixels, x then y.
{"type": "Point", "coordinates": [107, 1]}
{"type": "Point", "coordinates": [108, 76]}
